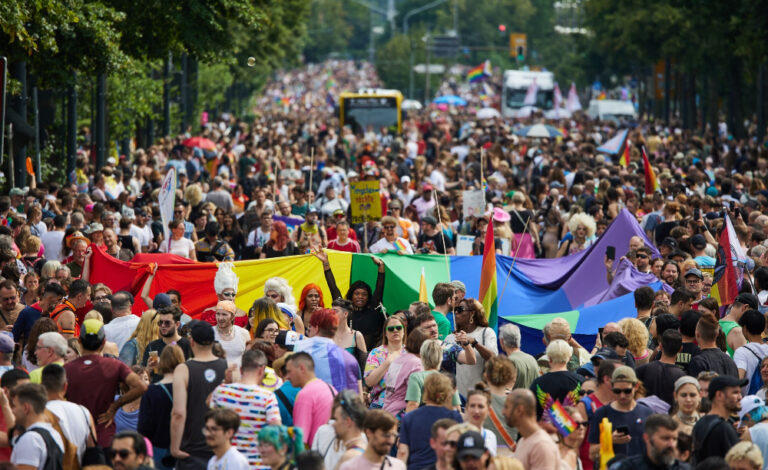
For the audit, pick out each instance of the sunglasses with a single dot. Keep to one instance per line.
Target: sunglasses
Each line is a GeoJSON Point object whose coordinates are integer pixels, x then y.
{"type": "Point", "coordinates": [123, 453]}
{"type": "Point", "coordinates": [625, 391]}
{"type": "Point", "coordinates": [461, 309]}
{"type": "Point", "coordinates": [641, 255]}
{"type": "Point", "coordinates": [583, 424]}
{"type": "Point", "coordinates": [394, 328]}
{"type": "Point", "coordinates": [583, 392]}
{"type": "Point", "coordinates": [453, 444]}
{"type": "Point", "coordinates": [165, 322]}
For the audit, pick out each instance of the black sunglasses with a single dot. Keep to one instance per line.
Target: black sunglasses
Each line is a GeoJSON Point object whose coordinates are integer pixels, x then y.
{"type": "Point", "coordinates": [394, 328]}
{"type": "Point", "coordinates": [642, 255]}
{"type": "Point", "coordinates": [461, 309]}
{"type": "Point", "coordinates": [625, 391]}
{"type": "Point", "coordinates": [123, 453]}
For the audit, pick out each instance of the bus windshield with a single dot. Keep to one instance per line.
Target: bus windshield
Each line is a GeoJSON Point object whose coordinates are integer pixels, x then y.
{"type": "Point", "coordinates": [516, 96]}
{"type": "Point", "coordinates": [362, 112]}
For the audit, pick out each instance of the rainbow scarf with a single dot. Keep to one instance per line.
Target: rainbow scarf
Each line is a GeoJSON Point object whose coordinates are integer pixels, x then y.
{"type": "Point", "coordinates": [561, 419]}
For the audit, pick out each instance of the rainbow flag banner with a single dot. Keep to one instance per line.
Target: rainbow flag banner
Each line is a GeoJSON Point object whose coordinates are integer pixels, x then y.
{"type": "Point", "coordinates": [479, 73]}
{"type": "Point", "coordinates": [537, 289]}
{"type": "Point", "coordinates": [561, 419]}
{"type": "Point", "coordinates": [488, 294]}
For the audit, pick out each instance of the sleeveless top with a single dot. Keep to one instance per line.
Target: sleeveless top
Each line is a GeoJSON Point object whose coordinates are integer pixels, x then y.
{"type": "Point", "coordinates": [727, 326]}
{"type": "Point", "coordinates": [203, 378]}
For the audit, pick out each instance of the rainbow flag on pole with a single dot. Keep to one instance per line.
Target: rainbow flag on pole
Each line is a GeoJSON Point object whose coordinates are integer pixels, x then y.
{"type": "Point", "coordinates": [480, 72]}
{"type": "Point", "coordinates": [624, 160]}
{"type": "Point", "coordinates": [488, 290]}
{"type": "Point", "coordinates": [651, 183]}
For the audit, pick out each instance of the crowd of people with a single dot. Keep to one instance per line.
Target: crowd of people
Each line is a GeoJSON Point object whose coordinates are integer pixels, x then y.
{"type": "Point", "coordinates": [302, 381]}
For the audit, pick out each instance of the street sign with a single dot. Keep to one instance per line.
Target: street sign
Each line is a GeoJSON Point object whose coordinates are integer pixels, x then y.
{"type": "Point", "coordinates": [433, 68]}
{"type": "Point", "coordinates": [444, 46]}
{"type": "Point", "coordinates": [518, 46]}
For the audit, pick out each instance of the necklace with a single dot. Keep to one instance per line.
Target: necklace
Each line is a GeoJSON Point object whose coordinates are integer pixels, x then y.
{"type": "Point", "coordinates": [687, 419]}
{"type": "Point", "coordinates": [227, 334]}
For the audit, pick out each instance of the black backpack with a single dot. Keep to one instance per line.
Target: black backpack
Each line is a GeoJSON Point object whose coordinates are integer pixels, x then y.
{"type": "Point", "coordinates": [55, 458]}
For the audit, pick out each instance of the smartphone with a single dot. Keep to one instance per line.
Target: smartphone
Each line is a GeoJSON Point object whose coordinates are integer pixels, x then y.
{"type": "Point", "coordinates": [622, 429]}
{"type": "Point", "coordinates": [732, 205]}
{"type": "Point", "coordinates": [696, 213]}
{"type": "Point", "coordinates": [610, 252]}
{"type": "Point", "coordinates": [600, 332]}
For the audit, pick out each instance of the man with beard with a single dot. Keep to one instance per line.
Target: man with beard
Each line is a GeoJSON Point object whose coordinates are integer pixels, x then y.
{"type": "Point", "coordinates": [168, 325]}
{"type": "Point", "coordinates": [380, 428]}
{"type": "Point", "coordinates": [535, 449]}
{"type": "Point", "coordinates": [713, 434]}
{"type": "Point", "coordinates": [670, 273]}
{"type": "Point", "coordinates": [660, 438]}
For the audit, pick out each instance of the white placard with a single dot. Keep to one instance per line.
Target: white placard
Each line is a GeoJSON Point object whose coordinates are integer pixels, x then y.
{"type": "Point", "coordinates": [474, 203]}
{"type": "Point", "coordinates": [464, 245]}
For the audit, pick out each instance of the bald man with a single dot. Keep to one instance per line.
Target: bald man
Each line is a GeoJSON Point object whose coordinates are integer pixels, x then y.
{"type": "Point", "coordinates": [536, 449]}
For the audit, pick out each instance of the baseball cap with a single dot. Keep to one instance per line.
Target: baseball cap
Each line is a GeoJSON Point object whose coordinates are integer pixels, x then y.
{"type": "Point", "coordinates": [694, 272]}
{"type": "Point", "coordinates": [6, 343]}
{"type": "Point", "coordinates": [624, 374]}
{"type": "Point", "coordinates": [698, 241]}
{"type": "Point", "coordinates": [748, 299]}
{"type": "Point", "coordinates": [286, 339]}
{"type": "Point", "coordinates": [202, 332]}
{"type": "Point", "coordinates": [750, 403]}
{"type": "Point", "coordinates": [427, 187]}
{"type": "Point", "coordinates": [428, 219]}
{"type": "Point", "coordinates": [471, 443]}
{"type": "Point", "coordinates": [724, 381]}
{"type": "Point", "coordinates": [92, 334]}
{"type": "Point", "coordinates": [670, 242]}
{"type": "Point", "coordinates": [161, 300]}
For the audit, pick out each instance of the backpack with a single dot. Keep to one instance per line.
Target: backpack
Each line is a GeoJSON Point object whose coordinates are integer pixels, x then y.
{"type": "Point", "coordinates": [756, 381]}
{"type": "Point", "coordinates": [69, 458]}
{"type": "Point", "coordinates": [54, 460]}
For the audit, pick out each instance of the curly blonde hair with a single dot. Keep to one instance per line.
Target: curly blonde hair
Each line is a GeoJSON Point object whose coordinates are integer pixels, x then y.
{"type": "Point", "coordinates": [585, 220]}
{"type": "Point", "coordinates": [745, 451]}
{"type": "Point", "coordinates": [636, 333]}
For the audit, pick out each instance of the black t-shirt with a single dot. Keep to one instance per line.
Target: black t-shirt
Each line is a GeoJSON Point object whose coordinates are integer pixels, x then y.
{"type": "Point", "coordinates": [517, 220]}
{"type": "Point", "coordinates": [435, 242]}
{"type": "Point", "coordinates": [158, 345]}
{"type": "Point", "coordinates": [715, 360]}
{"type": "Point", "coordinates": [634, 420]}
{"type": "Point", "coordinates": [556, 384]}
{"type": "Point", "coordinates": [683, 357]}
{"type": "Point", "coordinates": [713, 437]}
{"type": "Point", "coordinates": [659, 379]}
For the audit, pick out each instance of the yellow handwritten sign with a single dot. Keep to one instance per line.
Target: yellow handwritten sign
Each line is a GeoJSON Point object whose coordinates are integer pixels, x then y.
{"type": "Point", "coordinates": [365, 201]}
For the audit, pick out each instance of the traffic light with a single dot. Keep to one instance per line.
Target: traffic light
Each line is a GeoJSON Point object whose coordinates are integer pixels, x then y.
{"type": "Point", "coordinates": [518, 46]}
{"type": "Point", "coordinates": [502, 28]}
{"type": "Point", "coordinates": [520, 53]}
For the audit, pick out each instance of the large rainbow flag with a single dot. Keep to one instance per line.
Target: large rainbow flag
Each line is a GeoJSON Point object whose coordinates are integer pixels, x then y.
{"type": "Point", "coordinates": [573, 287]}
{"type": "Point", "coordinates": [488, 293]}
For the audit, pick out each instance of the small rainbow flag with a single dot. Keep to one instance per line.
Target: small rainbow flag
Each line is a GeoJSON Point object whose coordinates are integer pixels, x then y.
{"type": "Point", "coordinates": [400, 245]}
{"type": "Point", "coordinates": [423, 288]}
{"type": "Point", "coordinates": [651, 183]}
{"type": "Point", "coordinates": [480, 72]}
{"type": "Point", "coordinates": [488, 294]}
{"type": "Point", "coordinates": [561, 419]}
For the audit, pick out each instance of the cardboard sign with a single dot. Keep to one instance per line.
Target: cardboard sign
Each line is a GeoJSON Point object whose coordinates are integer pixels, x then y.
{"type": "Point", "coordinates": [365, 201]}
{"type": "Point", "coordinates": [474, 203]}
{"type": "Point", "coordinates": [464, 245]}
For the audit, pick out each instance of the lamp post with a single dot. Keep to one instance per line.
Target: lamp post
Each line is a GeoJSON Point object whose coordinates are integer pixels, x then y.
{"type": "Point", "coordinates": [405, 31]}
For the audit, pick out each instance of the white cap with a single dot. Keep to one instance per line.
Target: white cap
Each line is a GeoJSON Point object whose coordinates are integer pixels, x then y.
{"type": "Point", "coordinates": [750, 403]}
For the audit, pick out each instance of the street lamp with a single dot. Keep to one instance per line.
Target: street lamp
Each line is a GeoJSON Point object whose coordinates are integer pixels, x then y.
{"type": "Point", "coordinates": [405, 31]}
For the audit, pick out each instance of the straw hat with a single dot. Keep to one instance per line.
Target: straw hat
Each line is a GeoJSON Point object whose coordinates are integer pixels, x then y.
{"type": "Point", "coordinates": [77, 236]}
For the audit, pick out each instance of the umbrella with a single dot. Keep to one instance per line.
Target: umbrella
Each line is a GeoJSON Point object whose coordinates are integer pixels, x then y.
{"type": "Point", "coordinates": [199, 142]}
{"type": "Point", "coordinates": [488, 113]}
{"type": "Point", "coordinates": [539, 131]}
{"type": "Point", "coordinates": [452, 100]}
{"type": "Point", "coordinates": [411, 104]}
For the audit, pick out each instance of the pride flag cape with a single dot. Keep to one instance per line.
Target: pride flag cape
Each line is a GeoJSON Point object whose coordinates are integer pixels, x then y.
{"type": "Point", "coordinates": [480, 72]}
{"type": "Point", "coordinates": [729, 266]}
{"type": "Point", "coordinates": [651, 183]}
{"type": "Point", "coordinates": [618, 145]}
{"type": "Point", "coordinates": [488, 294]}
{"type": "Point", "coordinates": [573, 287]}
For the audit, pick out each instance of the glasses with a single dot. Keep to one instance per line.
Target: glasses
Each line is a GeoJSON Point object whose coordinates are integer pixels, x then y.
{"type": "Point", "coordinates": [582, 424]}
{"type": "Point", "coordinates": [453, 444]}
{"type": "Point", "coordinates": [692, 281]}
{"type": "Point", "coordinates": [392, 435]}
{"type": "Point", "coordinates": [164, 322]}
{"type": "Point", "coordinates": [123, 453]}
{"type": "Point", "coordinates": [461, 309]}
{"type": "Point", "coordinates": [642, 255]}
{"type": "Point", "coordinates": [395, 328]}
{"type": "Point", "coordinates": [624, 391]}
{"type": "Point", "coordinates": [231, 295]}
{"type": "Point", "coordinates": [210, 429]}
{"type": "Point", "coordinates": [584, 391]}
{"type": "Point", "coordinates": [101, 298]}
{"type": "Point", "coordinates": [388, 227]}
{"type": "Point", "coordinates": [273, 331]}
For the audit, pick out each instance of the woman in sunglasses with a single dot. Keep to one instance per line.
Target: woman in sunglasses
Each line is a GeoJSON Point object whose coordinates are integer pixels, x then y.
{"type": "Point", "coordinates": [569, 445]}
{"type": "Point", "coordinates": [380, 358]}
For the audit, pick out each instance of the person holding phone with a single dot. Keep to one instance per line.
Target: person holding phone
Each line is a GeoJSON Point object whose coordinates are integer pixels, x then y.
{"type": "Point", "coordinates": [627, 417]}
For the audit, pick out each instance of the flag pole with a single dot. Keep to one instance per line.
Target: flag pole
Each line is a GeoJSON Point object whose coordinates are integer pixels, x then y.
{"type": "Point", "coordinates": [311, 168]}
{"type": "Point", "coordinates": [517, 250]}
{"type": "Point", "coordinates": [442, 235]}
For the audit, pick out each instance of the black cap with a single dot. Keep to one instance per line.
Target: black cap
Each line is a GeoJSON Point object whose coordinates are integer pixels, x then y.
{"type": "Point", "coordinates": [161, 300]}
{"type": "Point", "coordinates": [470, 443]}
{"type": "Point", "coordinates": [201, 332]}
{"type": "Point", "coordinates": [724, 381]}
{"type": "Point", "coordinates": [670, 242]}
{"type": "Point", "coordinates": [286, 339]}
{"type": "Point", "coordinates": [698, 241]}
{"type": "Point", "coordinates": [748, 299]}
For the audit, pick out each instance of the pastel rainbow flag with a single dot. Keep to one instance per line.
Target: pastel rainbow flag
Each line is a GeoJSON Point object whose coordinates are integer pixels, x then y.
{"type": "Point", "coordinates": [400, 245]}
{"type": "Point", "coordinates": [480, 72]}
{"type": "Point", "coordinates": [488, 289]}
{"type": "Point", "coordinates": [561, 419]}
{"type": "Point", "coordinates": [423, 288]}
{"type": "Point", "coordinates": [651, 183]}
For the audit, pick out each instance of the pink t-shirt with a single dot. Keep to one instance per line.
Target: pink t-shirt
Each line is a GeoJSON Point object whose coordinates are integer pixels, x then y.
{"type": "Point", "coordinates": [538, 451]}
{"type": "Point", "coordinates": [397, 381]}
{"type": "Point", "coordinates": [361, 463]}
{"type": "Point", "coordinates": [312, 407]}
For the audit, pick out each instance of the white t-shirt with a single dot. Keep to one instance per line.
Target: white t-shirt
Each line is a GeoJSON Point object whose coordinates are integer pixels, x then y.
{"type": "Point", "coordinates": [748, 357]}
{"type": "Point", "coordinates": [329, 447]}
{"type": "Point", "coordinates": [120, 329]}
{"type": "Point", "coordinates": [30, 447]}
{"type": "Point", "coordinates": [180, 247]}
{"type": "Point", "coordinates": [235, 347]}
{"type": "Point", "coordinates": [74, 422]}
{"type": "Point", "coordinates": [143, 234]}
{"type": "Point", "coordinates": [467, 376]}
{"type": "Point", "coordinates": [383, 244]}
{"type": "Point", "coordinates": [232, 460]}
{"type": "Point", "coordinates": [490, 441]}
{"type": "Point", "coordinates": [52, 243]}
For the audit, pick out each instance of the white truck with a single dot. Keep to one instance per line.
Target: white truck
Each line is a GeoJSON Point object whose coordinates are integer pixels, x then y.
{"type": "Point", "coordinates": [516, 84]}
{"type": "Point", "coordinates": [612, 110]}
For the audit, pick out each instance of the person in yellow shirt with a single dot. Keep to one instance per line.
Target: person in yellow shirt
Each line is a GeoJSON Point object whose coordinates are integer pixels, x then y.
{"type": "Point", "coordinates": [50, 349]}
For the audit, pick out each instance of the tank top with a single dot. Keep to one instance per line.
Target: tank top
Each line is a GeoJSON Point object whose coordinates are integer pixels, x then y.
{"type": "Point", "coordinates": [727, 326]}
{"type": "Point", "coordinates": [203, 378]}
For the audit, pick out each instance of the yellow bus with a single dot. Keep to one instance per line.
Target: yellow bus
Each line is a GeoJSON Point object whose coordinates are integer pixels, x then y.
{"type": "Point", "coordinates": [376, 108]}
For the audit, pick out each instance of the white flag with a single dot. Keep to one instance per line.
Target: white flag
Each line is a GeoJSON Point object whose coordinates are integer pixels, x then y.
{"type": "Point", "coordinates": [558, 97]}
{"type": "Point", "coordinates": [530, 95]}
{"type": "Point", "coordinates": [573, 104]}
{"type": "Point", "coordinates": [166, 198]}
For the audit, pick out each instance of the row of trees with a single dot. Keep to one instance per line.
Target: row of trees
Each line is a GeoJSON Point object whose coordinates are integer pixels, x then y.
{"type": "Point", "coordinates": [134, 57]}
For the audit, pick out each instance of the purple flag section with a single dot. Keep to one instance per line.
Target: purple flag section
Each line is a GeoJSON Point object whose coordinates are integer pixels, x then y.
{"type": "Point", "coordinates": [582, 276]}
{"type": "Point", "coordinates": [626, 279]}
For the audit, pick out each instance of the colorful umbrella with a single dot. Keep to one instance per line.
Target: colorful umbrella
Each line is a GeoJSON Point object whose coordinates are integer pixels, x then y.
{"type": "Point", "coordinates": [539, 131]}
{"type": "Point", "coordinates": [199, 142]}
{"type": "Point", "coordinates": [451, 100]}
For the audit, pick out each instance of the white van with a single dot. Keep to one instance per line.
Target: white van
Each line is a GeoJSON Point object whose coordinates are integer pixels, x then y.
{"type": "Point", "coordinates": [612, 110]}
